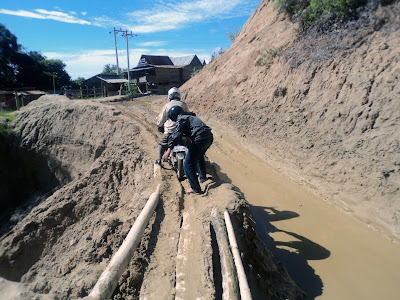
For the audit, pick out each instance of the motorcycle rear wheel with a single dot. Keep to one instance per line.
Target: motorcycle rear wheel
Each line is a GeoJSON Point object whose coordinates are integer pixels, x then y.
{"type": "Point", "coordinates": [179, 170]}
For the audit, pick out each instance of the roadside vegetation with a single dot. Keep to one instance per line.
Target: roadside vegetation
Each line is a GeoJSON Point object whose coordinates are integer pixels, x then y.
{"type": "Point", "coordinates": [266, 57]}
{"type": "Point", "coordinates": [309, 13]}
{"type": "Point", "coordinates": [195, 71]}
{"type": "Point", "coordinates": [233, 35]}
{"type": "Point", "coordinates": [132, 92]}
{"type": "Point", "coordinates": [9, 116]}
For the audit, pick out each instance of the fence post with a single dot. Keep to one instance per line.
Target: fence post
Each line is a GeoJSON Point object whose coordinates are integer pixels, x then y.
{"type": "Point", "coordinates": [94, 92]}
{"type": "Point", "coordinates": [81, 90]}
{"type": "Point", "coordinates": [16, 100]}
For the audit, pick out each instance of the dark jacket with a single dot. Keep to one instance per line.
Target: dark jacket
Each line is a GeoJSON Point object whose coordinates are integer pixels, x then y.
{"type": "Point", "coordinates": [189, 125]}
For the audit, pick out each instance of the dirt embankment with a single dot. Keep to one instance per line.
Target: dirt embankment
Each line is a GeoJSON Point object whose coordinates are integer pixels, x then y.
{"type": "Point", "coordinates": [56, 234]}
{"type": "Point", "coordinates": [58, 241]}
{"type": "Point", "coordinates": [322, 108]}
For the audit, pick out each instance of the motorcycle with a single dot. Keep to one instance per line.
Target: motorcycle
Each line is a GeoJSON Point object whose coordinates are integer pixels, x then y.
{"type": "Point", "coordinates": [177, 157]}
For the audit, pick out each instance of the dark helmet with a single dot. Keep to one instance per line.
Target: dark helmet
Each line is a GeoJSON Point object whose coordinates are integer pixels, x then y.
{"type": "Point", "coordinates": [174, 112]}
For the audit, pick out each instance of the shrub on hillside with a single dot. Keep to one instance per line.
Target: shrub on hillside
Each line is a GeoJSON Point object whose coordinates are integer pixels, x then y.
{"type": "Point", "coordinates": [311, 12]}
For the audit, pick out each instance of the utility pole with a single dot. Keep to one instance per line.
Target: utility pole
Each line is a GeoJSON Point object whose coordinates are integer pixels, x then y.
{"type": "Point", "coordinates": [126, 35]}
{"type": "Point", "coordinates": [116, 50]}
{"type": "Point", "coordinates": [54, 83]}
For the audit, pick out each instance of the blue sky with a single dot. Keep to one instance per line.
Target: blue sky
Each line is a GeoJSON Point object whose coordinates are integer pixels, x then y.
{"type": "Point", "coordinates": [80, 33]}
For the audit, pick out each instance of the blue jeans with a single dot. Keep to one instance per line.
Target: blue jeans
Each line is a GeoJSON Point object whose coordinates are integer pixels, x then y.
{"type": "Point", "coordinates": [194, 161]}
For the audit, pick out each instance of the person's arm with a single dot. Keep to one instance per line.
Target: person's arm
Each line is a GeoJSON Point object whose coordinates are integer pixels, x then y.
{"type": "Point", "coordinates": [176, 136]}
{"type": "Point", "coordinates": [162, 117]}
{"type": "Point", "coordinates": [174, 139]}
{"type": "Point", "coordinates": [166, 154]}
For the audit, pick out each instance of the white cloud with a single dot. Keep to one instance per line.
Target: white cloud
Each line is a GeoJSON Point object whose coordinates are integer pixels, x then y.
{"type": "Point", "coordinates": [45, 14]}
{"type": "Point", "coordinates": [91, 62]}
{"type": "Point", "coordinates": [152, 44]}
{"type": "Point", "coordinates": [21, 13]}
{"type": "Point", "coordinates": [178, 14]}
{"type": "Point", "coordinates": [164, 16]}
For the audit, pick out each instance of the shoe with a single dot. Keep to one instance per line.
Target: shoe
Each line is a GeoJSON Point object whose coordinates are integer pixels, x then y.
{"type": "Point", "coordinates": [190, 191]}
{"type": "Point", "coordinates": [158, 162]}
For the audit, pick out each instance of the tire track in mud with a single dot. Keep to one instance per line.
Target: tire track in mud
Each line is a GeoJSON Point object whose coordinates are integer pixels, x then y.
{"type": "Point", "coordinates": [179, 254]}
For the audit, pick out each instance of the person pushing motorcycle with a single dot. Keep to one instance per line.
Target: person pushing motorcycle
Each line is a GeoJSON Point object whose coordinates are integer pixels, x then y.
{"type": "Point", "coordinates": [188, 124]}
{"type": "Point", "coordinates": [165, 124]}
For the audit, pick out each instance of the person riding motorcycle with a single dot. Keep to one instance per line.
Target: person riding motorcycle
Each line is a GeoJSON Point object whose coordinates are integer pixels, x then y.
{"type": "Point", "coordinates": [165, 124]}
{"type": "Point", "coordinates": [188, 124]}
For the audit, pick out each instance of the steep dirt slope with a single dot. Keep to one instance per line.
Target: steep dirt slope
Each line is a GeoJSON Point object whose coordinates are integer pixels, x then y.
{"type": "Point", "coordinates": [58, 241]}
{"type": "Point", "coordinates": [63, 236]}
{"type": "Point", "coordinates": [322, 108]}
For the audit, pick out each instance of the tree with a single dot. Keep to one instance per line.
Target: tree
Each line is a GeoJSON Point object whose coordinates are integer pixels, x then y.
{"type": "Point", "coordinates": [36, 71]}
{"type": "Point", "coordinates": [32, 69]}
{"type": "Point", "coordinates": [29, 69]}
{"type": "Point", "coordinates": [9, 49]}
{"type": "Point", "coordinates": [57, 68]}
{"type": "Point", "coordinates": [78, 82]}
{"type": "Point", "coordinates": [110, 70]}
{"type": "Point", "coordinates": [216, 54]}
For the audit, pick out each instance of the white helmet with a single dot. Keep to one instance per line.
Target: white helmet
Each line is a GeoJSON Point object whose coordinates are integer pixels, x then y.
{"type": "Point", "coordinates": [174, 93]}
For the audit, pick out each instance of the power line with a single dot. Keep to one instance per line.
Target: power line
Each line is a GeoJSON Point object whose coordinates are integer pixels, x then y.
{"type": "Point", "coordinates": [125, 34]}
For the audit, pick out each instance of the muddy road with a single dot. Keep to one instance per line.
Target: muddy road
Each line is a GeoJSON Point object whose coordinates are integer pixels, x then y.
{"type": "Point", "coordinates": [328, 253]}
{"type": "Point", "coordinates": [107, 150]}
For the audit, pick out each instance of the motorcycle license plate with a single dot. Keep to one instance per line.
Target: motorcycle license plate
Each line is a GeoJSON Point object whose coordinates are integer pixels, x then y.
{"type": "Point", "coordinates": [179, 149]}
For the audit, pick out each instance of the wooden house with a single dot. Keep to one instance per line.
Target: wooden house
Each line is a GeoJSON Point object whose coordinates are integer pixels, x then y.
{"type": "Point", "coordinates": [7, 98]}
{"type": "Point", "coordinates": [106, 85]}
{"type": "Point", "coordinates": [158, 74]}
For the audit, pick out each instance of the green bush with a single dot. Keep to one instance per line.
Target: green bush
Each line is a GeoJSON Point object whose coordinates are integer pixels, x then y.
{"type": "Point", "coordinates": [195, 71]}
{"type": "Point", "coordinates": [10, 116]}
{"type": "Point", "coordinates": [233, 35]}
{"type": "Point", "coordinates": [311, 11]}
{"type": "Point", "coordinates": [132, 91]}
{"type": "Point", "coordinates": [266, 57]}
{"type": "Point", "coordinates": [291, 7]}
{"type": "Point", "coordinates": [341, 8]}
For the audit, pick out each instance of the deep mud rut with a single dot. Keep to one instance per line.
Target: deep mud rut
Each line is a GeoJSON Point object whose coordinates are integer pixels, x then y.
{"type": "Point", "coordinates": [328, 253]}
{"type": "Point", "coordinates": [182, 262]}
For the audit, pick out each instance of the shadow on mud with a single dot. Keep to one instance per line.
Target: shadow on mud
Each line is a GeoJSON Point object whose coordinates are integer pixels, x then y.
{"type": "Point", "coordinates": [301, 249]}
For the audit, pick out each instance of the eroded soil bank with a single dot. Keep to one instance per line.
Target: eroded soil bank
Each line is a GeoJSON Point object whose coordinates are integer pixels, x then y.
{"type": "Point", "coordinates": [58, 248]}
{"type": "Point", "coordinates": [324, 109]}
{"type": "Point", "coordinates": [328, 253]}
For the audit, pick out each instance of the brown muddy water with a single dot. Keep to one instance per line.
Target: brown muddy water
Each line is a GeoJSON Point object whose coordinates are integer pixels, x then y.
{"type": "Point", "coordinates": [328, 253]}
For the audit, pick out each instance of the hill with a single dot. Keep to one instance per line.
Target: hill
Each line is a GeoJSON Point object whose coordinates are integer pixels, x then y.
{"type": "Point", "coordinates": [321, 107]}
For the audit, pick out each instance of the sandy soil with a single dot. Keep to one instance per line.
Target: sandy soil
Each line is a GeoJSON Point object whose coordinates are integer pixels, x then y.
{"type": "Point", "coordinates": [322, 108]}
{"type": "Point", "coordinates": [329, 253]}
{"type": "Point", "coordinates": [307, 145]}
{"type": "Point", "coordinates": [98, 159]}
